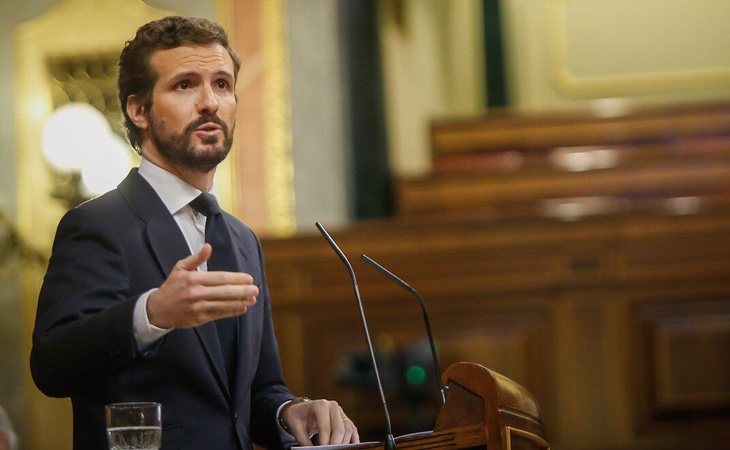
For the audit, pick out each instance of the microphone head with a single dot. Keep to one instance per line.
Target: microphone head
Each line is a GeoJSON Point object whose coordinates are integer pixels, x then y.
{"type": "Point", "coordinates": [332, 244]}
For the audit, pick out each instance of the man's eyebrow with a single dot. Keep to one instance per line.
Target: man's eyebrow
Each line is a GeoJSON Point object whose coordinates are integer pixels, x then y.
{"type": "Point", "coordinates": [185, 74]}
{"type": "Point", "coordinates": [195, 74]}
{"type": "Point", "coordinates": [225, 73]}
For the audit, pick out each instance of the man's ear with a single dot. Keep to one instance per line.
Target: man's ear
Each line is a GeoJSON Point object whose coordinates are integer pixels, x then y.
{"type": "Point", "coordinates": [137, 111]}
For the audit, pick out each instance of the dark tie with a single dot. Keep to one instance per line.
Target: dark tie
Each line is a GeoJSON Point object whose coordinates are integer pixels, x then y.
{"type": "Point", "coordinates": [216, 234]}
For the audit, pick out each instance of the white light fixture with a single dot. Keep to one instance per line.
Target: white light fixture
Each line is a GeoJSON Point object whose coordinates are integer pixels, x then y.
{"type": "Point", "coordinates": [71, 135]}
{"type": "Point", "coordinates": [77, 139]}
{"type": "Point", "coordinates": [108, 167]}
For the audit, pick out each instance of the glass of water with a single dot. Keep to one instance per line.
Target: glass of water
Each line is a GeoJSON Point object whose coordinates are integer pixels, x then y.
{"type": "Point", "coordinates": [134, 426]}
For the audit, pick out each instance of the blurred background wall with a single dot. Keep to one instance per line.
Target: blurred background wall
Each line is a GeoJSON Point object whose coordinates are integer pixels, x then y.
{"type": "Point", "coordinates": [337, 99]}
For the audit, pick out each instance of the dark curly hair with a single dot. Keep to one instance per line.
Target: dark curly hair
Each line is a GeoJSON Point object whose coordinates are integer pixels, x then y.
{"type": "Point", "coordinates": [136, 76]}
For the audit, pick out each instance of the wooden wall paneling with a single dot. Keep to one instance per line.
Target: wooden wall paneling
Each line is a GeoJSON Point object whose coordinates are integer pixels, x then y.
{"type": "Point", "coordinates": [588, 396]}
{"type": "Point", "coordinates": [290, 333]}
{"type": "Point", "coordinates": [682, 393]}
{"type": "Point", "coordinates": [682, 254]}
{"type": "Point", "coordinates": [688, 365]}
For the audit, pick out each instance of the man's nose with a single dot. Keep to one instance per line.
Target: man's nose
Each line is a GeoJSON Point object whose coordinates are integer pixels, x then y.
{"type": "Point", "coordinates": [208, 101]}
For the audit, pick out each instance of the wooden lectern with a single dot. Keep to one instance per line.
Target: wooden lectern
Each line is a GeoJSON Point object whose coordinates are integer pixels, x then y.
{"type": "Point", "coordinates": [483, 409]}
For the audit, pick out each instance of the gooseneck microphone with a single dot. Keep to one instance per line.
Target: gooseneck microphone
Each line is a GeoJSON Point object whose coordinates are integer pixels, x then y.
{"type": "Point", "coordinates": [389, 439]}
{"type": "Point", "coordinates": [415, 293]}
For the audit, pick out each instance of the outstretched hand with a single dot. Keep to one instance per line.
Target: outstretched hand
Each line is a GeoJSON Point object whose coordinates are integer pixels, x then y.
{"type": "Point", "coordinates": [189, 297]}
{"type": "Point", "coordinates": [324, 417]}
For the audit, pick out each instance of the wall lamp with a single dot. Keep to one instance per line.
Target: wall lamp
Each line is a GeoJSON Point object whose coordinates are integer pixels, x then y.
{"type": "Point", "coordinates": [86, 157]}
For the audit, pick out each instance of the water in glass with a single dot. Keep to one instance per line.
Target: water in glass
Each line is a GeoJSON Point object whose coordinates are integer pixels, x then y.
{"type": "Point", "coordinates": [134, 426]}
{"type": "Point", "coordinates": [134, 438]}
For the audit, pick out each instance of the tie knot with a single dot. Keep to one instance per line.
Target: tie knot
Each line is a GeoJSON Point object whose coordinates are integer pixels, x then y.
{"type": "Point", "coordinates": [206, 204]}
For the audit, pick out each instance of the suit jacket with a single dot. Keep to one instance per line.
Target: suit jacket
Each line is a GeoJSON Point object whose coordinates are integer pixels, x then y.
{"type": "Point", "coordinates": [106, 253]}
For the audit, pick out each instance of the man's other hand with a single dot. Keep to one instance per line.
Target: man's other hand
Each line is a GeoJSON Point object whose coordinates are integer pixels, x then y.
{"type": "Point", "coordinates": [324, 417]}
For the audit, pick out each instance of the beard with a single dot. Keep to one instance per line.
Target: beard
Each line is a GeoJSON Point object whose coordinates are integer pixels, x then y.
{"type": "Point", "coordinates": [179, 149]}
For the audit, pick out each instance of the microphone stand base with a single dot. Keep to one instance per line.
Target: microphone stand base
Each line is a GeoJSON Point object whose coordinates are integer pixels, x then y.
{"type": "Point", "coordinates": [389, 442]}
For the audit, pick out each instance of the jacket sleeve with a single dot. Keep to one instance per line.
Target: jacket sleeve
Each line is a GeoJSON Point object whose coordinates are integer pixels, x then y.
{"type": "Point", "coordinates": [83, 328]}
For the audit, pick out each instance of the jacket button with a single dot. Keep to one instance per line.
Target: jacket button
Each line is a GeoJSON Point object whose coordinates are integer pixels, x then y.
{"type": "Point", "coordinates": [235, 414]}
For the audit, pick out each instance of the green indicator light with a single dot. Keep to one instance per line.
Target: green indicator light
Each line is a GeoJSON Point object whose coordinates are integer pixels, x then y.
{"type": "Point", "coordinates": [415, 375]}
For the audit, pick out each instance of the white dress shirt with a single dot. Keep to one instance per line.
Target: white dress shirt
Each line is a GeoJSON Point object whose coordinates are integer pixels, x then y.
{"type": "Point", "coordinates": [176, 196]}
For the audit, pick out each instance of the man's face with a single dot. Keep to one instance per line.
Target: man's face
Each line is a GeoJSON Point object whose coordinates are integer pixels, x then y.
{"type": "Point", "coordinates": [193, 111]}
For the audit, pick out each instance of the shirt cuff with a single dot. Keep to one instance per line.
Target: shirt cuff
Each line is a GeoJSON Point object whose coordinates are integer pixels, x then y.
{"type": "Point", "coordinates": [282, 432]}
{"type": "Point", "coordinates": [145, 334]}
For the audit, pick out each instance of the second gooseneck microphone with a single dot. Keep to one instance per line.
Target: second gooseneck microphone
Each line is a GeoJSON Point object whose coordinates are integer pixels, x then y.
{"type": "Point", "coordinates": [415, 293]}
{"type": "Point", "coordinates": [389, 439]}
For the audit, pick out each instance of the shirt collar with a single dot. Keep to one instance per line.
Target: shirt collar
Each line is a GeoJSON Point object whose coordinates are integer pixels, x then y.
{"type": "Point", "coordinates": [174, 192]}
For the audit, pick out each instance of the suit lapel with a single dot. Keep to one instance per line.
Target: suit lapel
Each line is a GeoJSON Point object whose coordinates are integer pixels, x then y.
{"type": "Point", "coordinates": [243, 355]}
{"type": "Point", "coordinates": [244, 368]}
{"type": "Point", "coordinates": [209, 338]}
{"type": "Point", "coordinates": [167, 242]}
{"type": "Point", "coordinates": [249, 324]}
{"type": "Point", "coordinates": [169, 246]}
{"type": "Point", "coordinates": [164, 236]}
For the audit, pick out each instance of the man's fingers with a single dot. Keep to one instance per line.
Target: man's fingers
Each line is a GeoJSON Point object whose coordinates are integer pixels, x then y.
{"type": "Point", "coordinates": [193, 261]}
{"type": "Point", "coordinates": [299, 431]}
{"type": "Point", "coordinates": [225, 308]}
{"type": "Point", "coordinates": [351, 436]}
{"type": "Point", "coordinates": [338, 429]}
{"type": "Point", "coordinates": [223, 292]}
{"type": "Point", "coordinates": [299, 423]}
{"type": "Point", "coordinates": [355, 437]}
{"type": "Point", "coordinates": [321, 409]}
{"type": "Point", "coordinates": [347, 436]}
{"type": "Point", "coordinates": [215, 278]}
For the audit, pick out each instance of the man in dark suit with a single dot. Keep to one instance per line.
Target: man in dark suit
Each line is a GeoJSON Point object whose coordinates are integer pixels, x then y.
{"type": "Point", "coordinates": [152, 293]}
